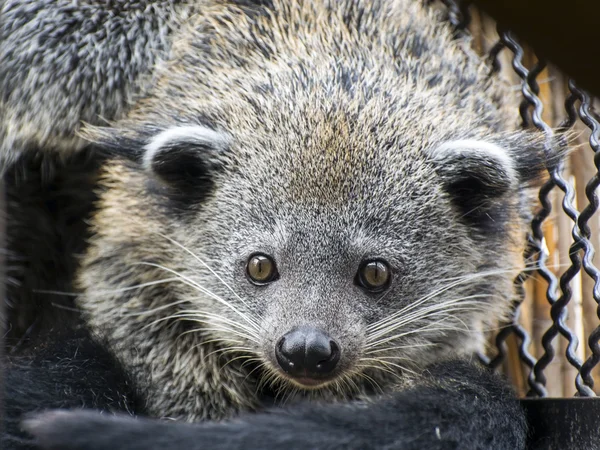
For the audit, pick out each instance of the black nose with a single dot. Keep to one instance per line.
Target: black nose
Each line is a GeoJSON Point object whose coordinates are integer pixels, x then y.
{"type": "Point", "coordinates": [307, 352]}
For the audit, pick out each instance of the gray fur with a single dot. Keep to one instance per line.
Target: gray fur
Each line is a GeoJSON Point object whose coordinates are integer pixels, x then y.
{"type": "Point", "coordinates": [332, 112]}
{"type": "Point", "coordinates": [63, 63]}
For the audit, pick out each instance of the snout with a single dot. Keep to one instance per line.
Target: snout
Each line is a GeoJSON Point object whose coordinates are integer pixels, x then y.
{"type": "Point", "coordinates": [308, 355]}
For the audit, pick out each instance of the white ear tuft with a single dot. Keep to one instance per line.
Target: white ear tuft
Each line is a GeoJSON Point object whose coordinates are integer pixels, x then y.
{"type": "Point", "coordinates": [473, 148]}
{"type": "Point", "coordinates": [190, 134]}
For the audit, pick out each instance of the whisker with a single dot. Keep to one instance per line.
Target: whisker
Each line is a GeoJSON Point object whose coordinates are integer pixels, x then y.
{"type": "Point", "coordinates": [438, 316]}
{"type": "Point", "coordinates": [402, 358]}
{"type": "Point", "coordinates": [383, 369]}
{"type": "Point", "coordinates": [456, 281]}
{"type": "Point", "coordinates": [210, 341]}
{"type": "Point", "coordinates": [107, 291]}
{"type": "Point", "coordinates": [230, 350]}
{"type": "Point", "coordinates": [221, 329]}
{"type": "Point", "coordinates": [388, 363]}
{"type": "Point", "coordinates": [370, 380]}
{"type": "Point", "coordinates": [66, 308]}
{"type": "Point", "coordinates": [235, 359]}
{"type": "Point", "coordinates": [249, 334]}
{"type": "Point", "coordinates": [202, 289]}
{"type": "Point", "coordinates": [429, 296]}
{"type": "Point", "coordinates": [258, 367]}
{"type": "Point", "coordinates": [250, 360]}
{"type": "Point", "coordinates": [192, 315]}
{"type": "Point", "coordinates": [352, 384]}
{"type": "Point", "coordinates": [528, 268]}
{"type": "Point", "coordinates": [443, 309]}
{"type": "Point", "coordinates": [289, 395]}
{"type": "Point", "coordinates": [158, 308]}
{"type": "Point", "coordinates": [399, 347]}
{"type": "Point", "coordinates": [391, 323]}
{"type": "Point", "coordinates": [408, 333]}
{"type": "Point", "coordinates": [205, 265]}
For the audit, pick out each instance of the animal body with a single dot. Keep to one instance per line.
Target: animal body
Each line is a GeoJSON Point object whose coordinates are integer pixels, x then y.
{"type": "Point", "coordinates": [303, 220]}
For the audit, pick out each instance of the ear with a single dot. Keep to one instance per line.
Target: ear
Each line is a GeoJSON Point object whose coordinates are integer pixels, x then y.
{"type": "Point", "coordinates": [484, 180]}
{"type": "Point", "coordinates": [184, 155]}
{"type": "Point", "coordinates": [182, 160]}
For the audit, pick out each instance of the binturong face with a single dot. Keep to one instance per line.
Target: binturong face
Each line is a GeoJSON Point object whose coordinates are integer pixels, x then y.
{"type": "Point", "coordinates": [321, 259]}
{"type": "Point", "coordinates": [338, 265]}
{"type": "Point", "coordinates": [325, 204]}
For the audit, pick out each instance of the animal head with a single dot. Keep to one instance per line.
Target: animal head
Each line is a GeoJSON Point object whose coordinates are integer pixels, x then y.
{"type": "Point", "coordinates": [335, 218]}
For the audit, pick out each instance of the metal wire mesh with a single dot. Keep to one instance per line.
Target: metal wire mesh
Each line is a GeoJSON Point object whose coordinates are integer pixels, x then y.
{"type": "Point", "coordinates": [578, 106]}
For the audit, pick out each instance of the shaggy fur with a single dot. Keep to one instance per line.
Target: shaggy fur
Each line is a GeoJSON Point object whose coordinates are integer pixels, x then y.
{"type": "Point", "coordinates": [49, 200]}
{"type": "Point", "coordinates": [414, 419]}
{"type": "Point", "coordinates": [323, 134]}
{"type": "Point", "coordinates": [327, 164]}
{"type": "Point", "coordinates": [67, 370]}
{"type": "Point", "coordinates": [62, 63]}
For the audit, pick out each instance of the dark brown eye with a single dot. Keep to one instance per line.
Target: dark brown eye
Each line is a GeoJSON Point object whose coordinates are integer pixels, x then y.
{"type": "Point", "coordinates": [261, 269]}
{"type": "Point", "coordinates": [374, 275]}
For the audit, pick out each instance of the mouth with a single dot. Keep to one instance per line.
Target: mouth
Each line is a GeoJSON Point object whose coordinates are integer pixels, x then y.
{"type": "Point", "coordinates": [307, 381]}
{"type": "Point", "coordinates": [310, 383]}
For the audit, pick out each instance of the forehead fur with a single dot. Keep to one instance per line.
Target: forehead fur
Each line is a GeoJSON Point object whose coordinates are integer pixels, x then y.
{"type": "Point", "coordinates": [335, 96]}
{"type": "Point", "coordinates": [330, 106]}
{"type": "Point", "coordinates": [332, 111]}
{"type": "Point", "coordinates": [231, 63]}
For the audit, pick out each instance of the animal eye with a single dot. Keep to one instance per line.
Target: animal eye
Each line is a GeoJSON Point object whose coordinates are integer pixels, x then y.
{"type": "Point", "coordinates": [261, 269]}
{"type": "Point", "coordinates": [374, 275]}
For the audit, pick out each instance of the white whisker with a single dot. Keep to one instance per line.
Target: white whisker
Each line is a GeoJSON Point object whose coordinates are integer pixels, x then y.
{"type": "Point", "coordinates": [388, 363]}
{"type": "Point", "coordinates": [435, 293]}
{"type": "Point", "coordinates": [158, 308]}
{"type": "Point", "coordinates": [399, 347]}
{"type": "Point", "coordinates": [108, 291]}
{"type": "Point", "coordinates": [444, 310]}
{"type": "Point", "coordinates": [390, 323]}
{"type": "Point", "coordinates": [205, 265]}
{"type": "Point", "coordinates": [430, 328]}
{"type": "Point", "coordinates": [383, 369]}
{"type": "Point", "coordinates": [370, 380]}
{"type": "Point", "coordinates": [202, 289]}
{"type": "Point", "coordinates": [218, 329]}
{"type": "Point", "coordinates": [193, 314]}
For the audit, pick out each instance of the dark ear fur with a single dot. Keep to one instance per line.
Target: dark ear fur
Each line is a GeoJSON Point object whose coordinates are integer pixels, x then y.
{"type": "Point", "coordinates": [480, 177]}
{"type": "Point", "coordinates": [183, 165]}
{"type": "Point", "coordinates": [180, 161]}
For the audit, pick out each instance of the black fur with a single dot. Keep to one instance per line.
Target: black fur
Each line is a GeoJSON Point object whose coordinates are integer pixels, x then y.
{"type": "Point", "coordinates": [477, 187]}
{"type": "Point", "coordinates": [184, 173]}
{"type": "Point", "coordinates": [49, 198]}
{"type": "Point", "coordinates": [70, 370]}
{"type": "Point", "coordinates": [455, 405]}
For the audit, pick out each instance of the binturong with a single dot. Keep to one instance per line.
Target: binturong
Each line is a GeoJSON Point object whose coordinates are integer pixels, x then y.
{"type": "Point", "coordinates": [306, 229]}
